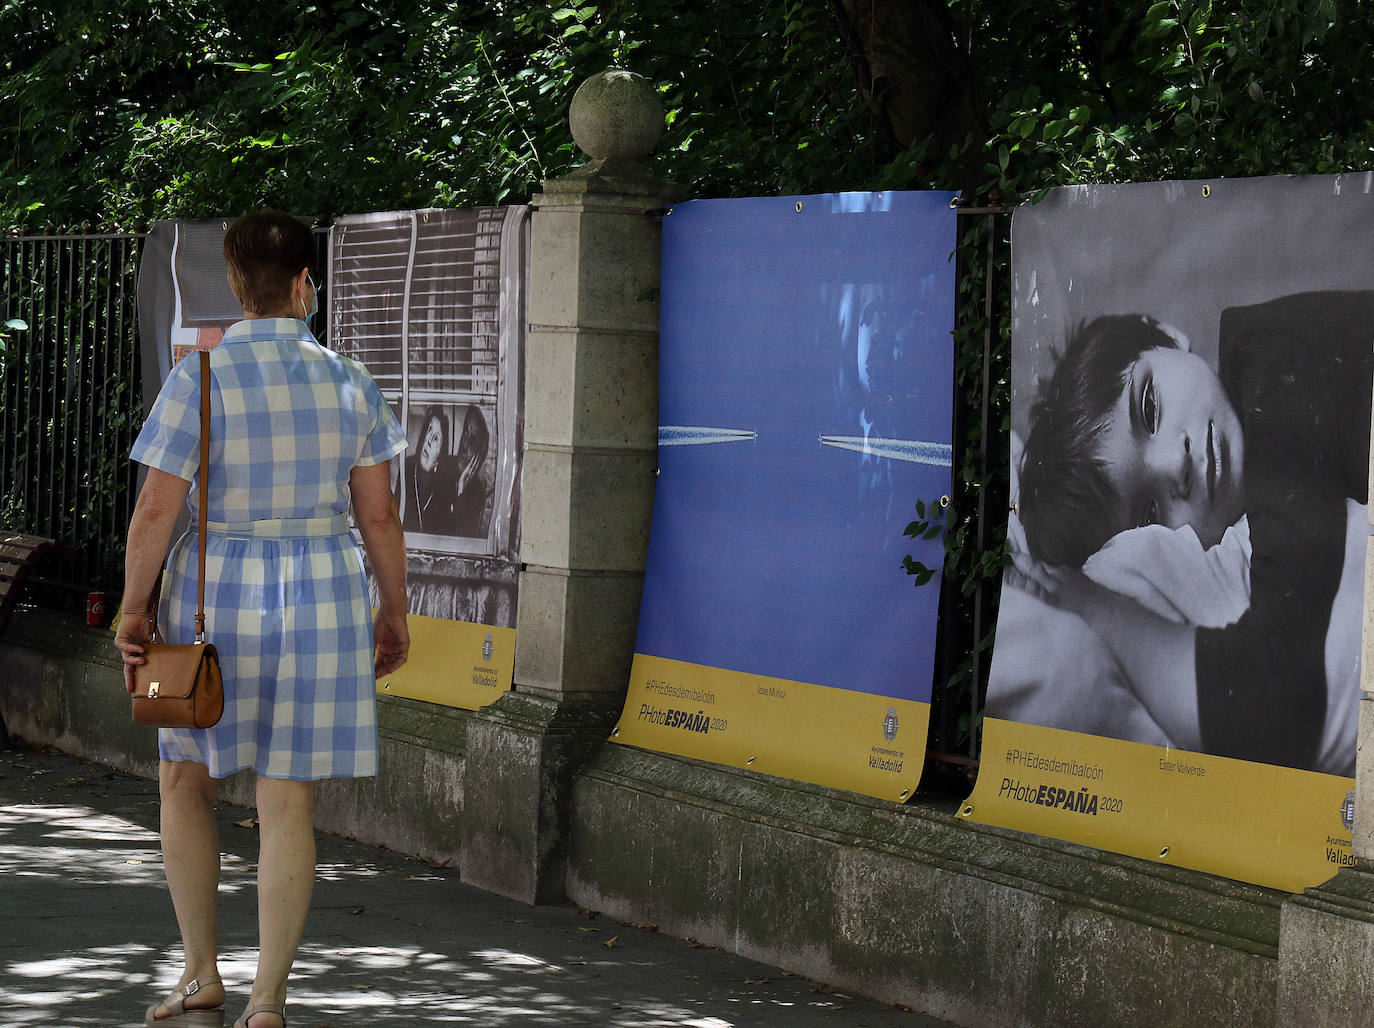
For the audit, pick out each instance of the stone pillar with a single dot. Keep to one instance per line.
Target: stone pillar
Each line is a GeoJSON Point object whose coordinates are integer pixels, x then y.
{"type": "Point", "coordinates": [1326, 935]}
{"type": "Point", "coordinates": [591, 427]}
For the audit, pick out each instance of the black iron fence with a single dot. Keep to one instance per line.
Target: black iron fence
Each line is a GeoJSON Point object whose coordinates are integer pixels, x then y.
{"type": "Point", "coordinates": [69, 399]}
{"type": "Point", "coordinates": [976, 519]}
{"type": "Point", "coordinates": [71, 405]}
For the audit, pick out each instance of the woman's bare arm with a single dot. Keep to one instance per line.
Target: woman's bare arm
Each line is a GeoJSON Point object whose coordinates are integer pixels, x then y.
{"type": "Point", "coordinates": [150, 533]}
{"type": "Point", "coordinates": [379, 522]}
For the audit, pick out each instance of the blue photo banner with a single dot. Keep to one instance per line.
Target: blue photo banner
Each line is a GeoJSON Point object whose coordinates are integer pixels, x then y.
{"type": "Point", "coordinates": [805, 407]}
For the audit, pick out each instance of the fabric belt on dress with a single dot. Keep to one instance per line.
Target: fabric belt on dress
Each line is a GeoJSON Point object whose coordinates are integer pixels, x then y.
{"type": "Point", "coordinates": [282, 528]}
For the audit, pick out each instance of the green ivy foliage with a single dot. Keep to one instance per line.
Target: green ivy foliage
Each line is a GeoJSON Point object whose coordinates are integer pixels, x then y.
{"type": "Point", "coordinates": [126, 110]}
{"type": "Point", "coordinates": [1142, 90]}
{"type": "Point", "coordinates": [121, 111]}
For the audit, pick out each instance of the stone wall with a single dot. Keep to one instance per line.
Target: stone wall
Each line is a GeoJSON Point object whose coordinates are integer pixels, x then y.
{"type": "Point", "coordinates": [903, 903]}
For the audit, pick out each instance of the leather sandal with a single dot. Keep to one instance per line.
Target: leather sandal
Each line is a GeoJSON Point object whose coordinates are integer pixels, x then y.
{"type": "Point", "coordinates": [264, 1008]}
{"type": "Point", "coordinates": [176, 1006]}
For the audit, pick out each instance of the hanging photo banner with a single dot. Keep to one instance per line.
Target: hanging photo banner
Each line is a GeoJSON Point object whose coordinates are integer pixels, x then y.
{"type": "Point", "coordinates": [432, 302]}
{"type": "Point", "coordinates": [1177, 665]}
{"type": "Point", "coordinates": [806, 381]}
{"type": "Point", "coordinates": [184, 301]}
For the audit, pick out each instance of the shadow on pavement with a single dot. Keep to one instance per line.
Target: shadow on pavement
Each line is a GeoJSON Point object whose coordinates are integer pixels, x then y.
{"type": "Point", "coordinates": [87, 934]}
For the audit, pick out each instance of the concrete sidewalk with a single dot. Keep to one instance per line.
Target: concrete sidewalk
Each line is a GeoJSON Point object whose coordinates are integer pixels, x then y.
{"type": "Point", "coordinates": [87, 935]}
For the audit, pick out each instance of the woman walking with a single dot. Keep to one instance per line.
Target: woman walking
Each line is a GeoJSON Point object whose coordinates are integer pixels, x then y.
{"type": "Point", "coordinates": [296, 430]}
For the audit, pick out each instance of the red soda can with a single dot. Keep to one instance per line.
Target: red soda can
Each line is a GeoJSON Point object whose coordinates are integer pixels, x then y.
{"type": "Point", "coordinates": [95, 609]}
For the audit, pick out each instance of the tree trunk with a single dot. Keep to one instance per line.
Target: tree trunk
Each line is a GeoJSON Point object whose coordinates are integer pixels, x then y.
{"type": "Point", "coordinates": [913, 70]}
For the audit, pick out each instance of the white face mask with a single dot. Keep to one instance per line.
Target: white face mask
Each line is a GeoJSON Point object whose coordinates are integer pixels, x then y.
{"type": "Point", "coordinates": [314, 298]}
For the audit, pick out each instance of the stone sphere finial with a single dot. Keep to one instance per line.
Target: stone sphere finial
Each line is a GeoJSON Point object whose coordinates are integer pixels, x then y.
{"type": "Point", "coordinates": [616, 115]}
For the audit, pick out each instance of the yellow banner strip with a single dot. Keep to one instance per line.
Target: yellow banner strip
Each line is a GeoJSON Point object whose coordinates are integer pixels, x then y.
{"type": "Point", "coordinates": [1273, 826]}
{"type": "Point", "coordinates": [813, 733]}
{"type": "Point", "coordinates": [454, 663]}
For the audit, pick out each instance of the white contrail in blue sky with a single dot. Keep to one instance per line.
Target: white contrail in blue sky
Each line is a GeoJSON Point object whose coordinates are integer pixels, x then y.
{"type": "Point", "coordinates": [690, 435]}
{"type": "Point", "coordinates": [912, 450]}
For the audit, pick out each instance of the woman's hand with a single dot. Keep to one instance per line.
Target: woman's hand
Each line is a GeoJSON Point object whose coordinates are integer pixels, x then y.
{"type": "Point", "coordinates": [392, 642]}
{"type": "Point", "coordinates": [135, 631]}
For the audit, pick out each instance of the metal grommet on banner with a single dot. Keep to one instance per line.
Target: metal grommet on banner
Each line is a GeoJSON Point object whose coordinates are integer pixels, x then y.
{"type": "Point", "coordinates": [1206, 190]}
{"type": "Point", "coordinates": [944, 501]}
{"type": "Point", "coordinates": [615, 733]}
{"type": "Point", "coordinates": [426, 217]}
{"type": "Point", "coordinates": [799, 206]}
{"type": "Point", "coordinates": [954, 203]}
{"type": "Point", "coordinates": [1164, 853]}
{"type": "Point", "coordinates": [1015, 508]}
{"type": "Point", "coordinates": [224, 225]}
{"type": "Point", "coordinates": [749, 761]}
{"type": "Point", "coordinates": [967, 811]}
{"type": "Point", "coordinates": [905, 794]}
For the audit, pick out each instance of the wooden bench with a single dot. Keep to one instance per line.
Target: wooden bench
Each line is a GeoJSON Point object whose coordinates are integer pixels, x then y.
{"type": "Point", "coordinates": [19, 556]}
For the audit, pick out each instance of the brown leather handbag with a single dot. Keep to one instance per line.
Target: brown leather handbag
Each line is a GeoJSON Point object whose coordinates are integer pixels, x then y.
{"type": "Point", "coordinates": [181, 686]}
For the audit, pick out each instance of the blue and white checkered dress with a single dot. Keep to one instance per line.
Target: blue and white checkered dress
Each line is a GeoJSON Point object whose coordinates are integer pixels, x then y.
{"type": "Point", "coordinates": [286, 602]}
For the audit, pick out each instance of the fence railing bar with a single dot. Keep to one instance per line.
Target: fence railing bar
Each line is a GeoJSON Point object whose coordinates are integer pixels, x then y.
{"type": "Point", "coordinates": [107, 366]}
{"type": "Point", "coordinates": [17, 309]}
{"type": "Point", "coordinates": [62, 436]}
{"type": "Point", "coordinates": [52, 306]}
{"type": "Point", "coordinates": [985, 396]}
{"type": "Point", "coordinates": [9, 444]}
{"type": "Point", "coordinates": [84, 440]}
{"type": "Point", "coordinates": [128, 332]}
{"type": "Point", "coordinates": [81, 235]}
{"type": "Point", "coordinates": [41, 329]}
{"type": "Point", "coordinates": [104, 514]}
{"type": "Point", "coordinates": [62, 367]}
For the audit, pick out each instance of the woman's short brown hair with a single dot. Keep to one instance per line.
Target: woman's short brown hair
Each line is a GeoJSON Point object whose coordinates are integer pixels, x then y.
{"type": "Point", "coordinates": [264, 251]}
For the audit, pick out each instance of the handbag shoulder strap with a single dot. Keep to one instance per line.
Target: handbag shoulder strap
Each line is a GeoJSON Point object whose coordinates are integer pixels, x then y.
{"type": "Point", "coordinates": [204, 477]}
{"type": "Point", "coordinates": [203, 493]}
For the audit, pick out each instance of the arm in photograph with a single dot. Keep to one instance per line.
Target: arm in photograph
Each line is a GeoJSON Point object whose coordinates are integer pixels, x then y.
{"type": "Point", "coordinates": [379, 522]}
{"type": "Point", "coordinates": [1157, 657]}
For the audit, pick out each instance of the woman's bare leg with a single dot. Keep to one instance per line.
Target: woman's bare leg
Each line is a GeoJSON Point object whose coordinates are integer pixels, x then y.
{"type": "Point", "coordinates": [286, 877]}
{"type": "Point", "coordinates": [190, 856]}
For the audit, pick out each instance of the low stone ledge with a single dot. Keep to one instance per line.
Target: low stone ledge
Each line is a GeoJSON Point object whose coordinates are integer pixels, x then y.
{"type": "Point", "coordinates": [62, 635]}
{"type": "Point", "coordinates": [909, 904]}
{"type": "Point", "coordinates": [1328, 943]}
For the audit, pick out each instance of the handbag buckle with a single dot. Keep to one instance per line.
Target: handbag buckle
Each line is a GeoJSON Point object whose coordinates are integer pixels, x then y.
{"type": "Point", "coordinates": [152, 690]}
